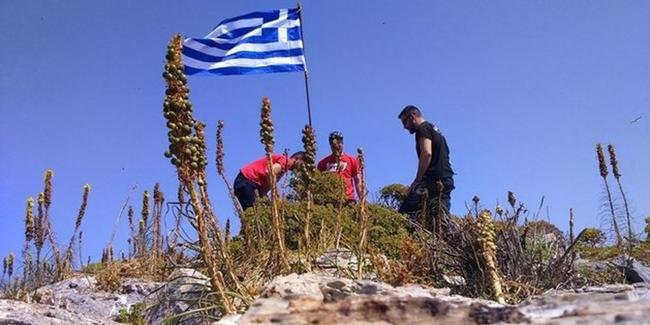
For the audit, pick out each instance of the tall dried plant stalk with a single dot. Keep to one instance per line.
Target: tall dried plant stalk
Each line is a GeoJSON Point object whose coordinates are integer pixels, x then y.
{"type": "Point", "coordinates": [29, 236]}
{"type": "Point", "coordinates": [77, 225]}
{"type": "Point", "coordinates": [266, 135]}
{"type": "Point", "coordinates": [29, 220]}
{"type": "Point", "coordinates": [441, 212]}
{"type": "Point", "coordinates": [187, 152]}
{"type": "Point", "coordinates": [363, 215]}
{"type": "Point", "coordinates": [10, 265]}
{"type": "Point", "coordinates": [79, 242]}
{"type": "Point", "coordinates": [142, 229]}
{"type": "Point", "coordinates": [134, 233]}
{"type": "Point", "coordinates": [603, 173]}
{"type": "Point", "coordinates": [572, 221]}
{"type": "Point", "coordinates": [47, 225]}
{"type": "Point", "coordinates": [227, 232]}
{"type": "Point", "coordinates": [617, 175]}
{"type": "Point", "coordinates": [145, 219]}
{"type": "Point", "coordinates": [4, 270]}
{"type": "Point", "coordinates": [338, 226]}
{"type": "Point", "coordinates": [423, 218]}
{"type": "Point", "coordinates": [487, 244]}
{"type": "Point", "coordinates": [159, 200]}
{"type": "Point", "coordinates": [214, 229]}
{"type": "Point", "coordinates": [307, 175]}
{"type": "Point", "coordinates": [39, 231]}
{"type": "Point", "coordinates": [235, 202]}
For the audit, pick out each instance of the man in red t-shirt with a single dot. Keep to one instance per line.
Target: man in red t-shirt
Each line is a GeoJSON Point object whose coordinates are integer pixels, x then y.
{"type": "Point", "coordinates": [254, 177]}
{"type": "Point", "coordinates": [347, 166]}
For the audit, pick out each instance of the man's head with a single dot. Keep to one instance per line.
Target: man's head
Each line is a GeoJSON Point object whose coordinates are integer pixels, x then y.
{"type": "Point", "coordinates": [411, 117]}
{"type": "Point", "coordinates": [297, 159]}
{"type": "Point", "coordinates": [336, 142]}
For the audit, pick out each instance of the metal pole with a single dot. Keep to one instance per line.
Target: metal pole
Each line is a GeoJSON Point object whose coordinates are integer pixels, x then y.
{"type": "Point", "coordinates": [302, 36]}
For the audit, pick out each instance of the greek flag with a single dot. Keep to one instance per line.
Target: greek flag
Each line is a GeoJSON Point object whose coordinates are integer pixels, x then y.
{"type": "Point", "coordinates": [259, 42]}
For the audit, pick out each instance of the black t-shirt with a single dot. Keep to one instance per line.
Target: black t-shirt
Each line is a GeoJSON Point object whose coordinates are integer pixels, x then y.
{"type": "Point", "coordinates": [440, 167]}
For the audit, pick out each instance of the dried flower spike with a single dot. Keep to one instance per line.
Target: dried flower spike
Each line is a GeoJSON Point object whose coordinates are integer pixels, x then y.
{"type": "Point", "coordinates": [220, 152]}
{"type": "Point", "coordinates": [601, 160]}
{"type": "Point", "coordinates": [613, 161]}
{"type": "Point", "coordinates": [29, 220]}
{"type": "Point", "coordinates": [511, 199]}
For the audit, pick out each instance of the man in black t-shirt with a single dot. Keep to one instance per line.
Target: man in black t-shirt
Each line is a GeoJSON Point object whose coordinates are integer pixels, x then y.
{"type": "Point", "coordinates": [433, 164]}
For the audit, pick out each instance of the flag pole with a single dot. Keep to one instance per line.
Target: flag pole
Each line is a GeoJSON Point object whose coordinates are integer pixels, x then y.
{"type": "Point", "coordinates": [302, 36]}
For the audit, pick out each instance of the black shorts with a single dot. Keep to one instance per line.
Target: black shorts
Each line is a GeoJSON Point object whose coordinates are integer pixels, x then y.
{"type": "Point", "coordinates": [245, 191]}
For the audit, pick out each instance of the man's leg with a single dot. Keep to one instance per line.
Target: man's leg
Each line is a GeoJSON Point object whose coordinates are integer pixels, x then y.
{"type": "Point", "coordinates": [413, 202]}
{"type": "Point", "coordinates": [448, 186]}
{"type": "Point", "coordinates": [440, 202]}
{"type": "Point", "coordinates": [441, 198]}
{"type": "Point", "coordinates": [244, 191]}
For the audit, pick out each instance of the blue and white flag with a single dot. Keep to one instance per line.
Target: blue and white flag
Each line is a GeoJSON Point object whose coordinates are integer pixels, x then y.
{"type": "Point", "coordinates": [259, 42]}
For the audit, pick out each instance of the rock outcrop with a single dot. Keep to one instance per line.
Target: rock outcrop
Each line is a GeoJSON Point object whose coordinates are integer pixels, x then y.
{"type": "Point", "coordinates": [75, 301]}
{"type": "Point", "coordinates": [181, 294]}
{"type": "Point", "coordinates": [313, 299]}
{"type": "Point", "coordinates": [321, 299]}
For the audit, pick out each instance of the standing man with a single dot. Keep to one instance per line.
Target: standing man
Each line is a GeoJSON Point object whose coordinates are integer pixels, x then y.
{"type": "Point", "coordinates": [346, 166]}
{"type": "Point", "coordinates": [255, 177]}
{"type": "Point", "coordinates": [433, 163]}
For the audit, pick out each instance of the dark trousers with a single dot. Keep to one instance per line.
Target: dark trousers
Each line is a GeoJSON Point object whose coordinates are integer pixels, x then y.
{"type": "Point", "coordinates": [245, 191]}
{"type": "Point", "coordinates": [413, 202]}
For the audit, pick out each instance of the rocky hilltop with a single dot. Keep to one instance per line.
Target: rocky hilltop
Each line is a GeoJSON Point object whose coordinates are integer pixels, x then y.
{"type": "Point", "coordinates": [320, 299]}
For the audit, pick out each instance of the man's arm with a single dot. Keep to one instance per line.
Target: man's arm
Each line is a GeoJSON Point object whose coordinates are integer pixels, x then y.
{"type": "Point", "coordinates": [357, 185]}
{"type": "Point", "coordinates": [277, 169]}
{"type": "Point", "coordinates": [424, 160]}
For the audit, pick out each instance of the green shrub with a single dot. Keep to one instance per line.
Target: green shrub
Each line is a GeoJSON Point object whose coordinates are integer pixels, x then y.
{"type": "Point", "coordinates": [328, 189]}
{"type": "Point", "coordinates": [393, 195]}
{"type": "Point", "coordinates": [387, 228]}
{"type": "Point", "coordinates": [135, 316]}
{"type": "Point", "coordinates": [592, 237]}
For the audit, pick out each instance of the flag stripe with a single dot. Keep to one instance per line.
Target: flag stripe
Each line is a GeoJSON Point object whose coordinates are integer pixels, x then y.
{"type": "Point", "coordinates": [241, 71]}
{"type": "Point", "coordinates": [245, 63]}
{"type": "Point", "coordinates": [238, 25]}
{"type": "Point", "coordinates": [202, 56]}
{"type": "Point", "coordinates": [193, 47]}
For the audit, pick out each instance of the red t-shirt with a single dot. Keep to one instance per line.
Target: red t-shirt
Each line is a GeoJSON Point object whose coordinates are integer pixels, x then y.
{"type": "Point", "coordinates": [347, 168]}
{"type": "Point", "coordinates": [257, 171]}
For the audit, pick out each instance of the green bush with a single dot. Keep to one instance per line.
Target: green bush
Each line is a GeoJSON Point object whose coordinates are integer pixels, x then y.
{"type": "Point", "coordinates": [592, 237]}
{"type": "Point", "coordinates": [386, 230]}
{"type": "Point", "coordinates": [135, 316]}
{"type": "Point", "coordinates": [328, 189]}
{"type": "Point", "coordinates": [393, 195]}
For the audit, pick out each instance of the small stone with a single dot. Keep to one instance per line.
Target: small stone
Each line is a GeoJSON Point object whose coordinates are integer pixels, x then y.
{"type": "Point", "coordinates": [336, 284]}
{"type": "Point", "coordinates": [621, 318]}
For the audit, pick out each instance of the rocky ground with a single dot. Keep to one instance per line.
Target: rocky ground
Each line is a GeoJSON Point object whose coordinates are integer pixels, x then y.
{"type": "Point", "coordinates": [322, 299]}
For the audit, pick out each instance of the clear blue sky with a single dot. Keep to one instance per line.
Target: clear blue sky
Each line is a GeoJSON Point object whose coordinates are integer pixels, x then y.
{"type": "Point", "coordinates": [523, 90]}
